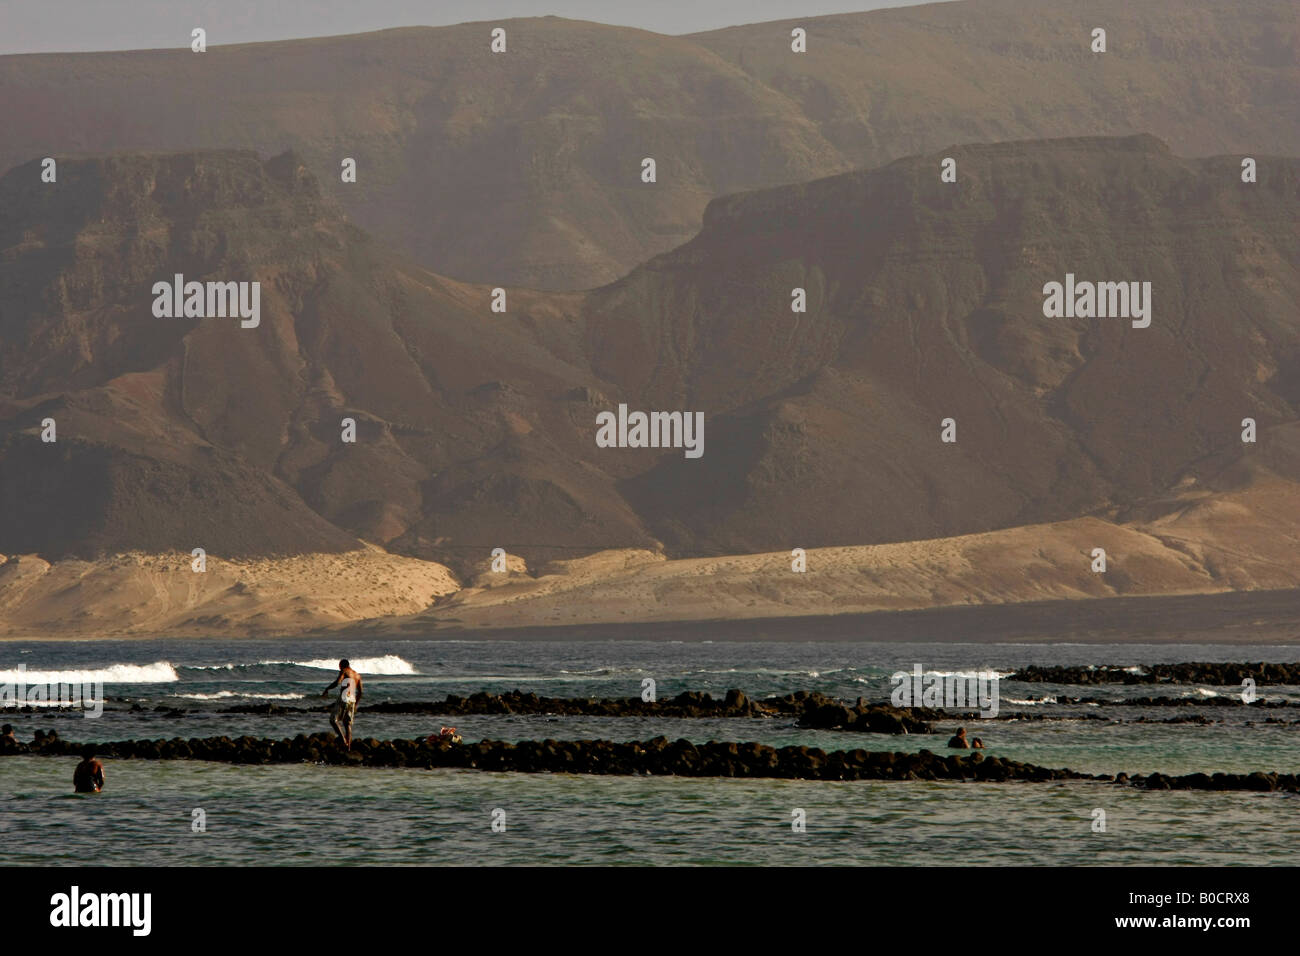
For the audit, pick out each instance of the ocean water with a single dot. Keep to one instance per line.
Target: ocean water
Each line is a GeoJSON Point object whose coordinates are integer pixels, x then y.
{"type": "Point", "coordinates": [286, 814]}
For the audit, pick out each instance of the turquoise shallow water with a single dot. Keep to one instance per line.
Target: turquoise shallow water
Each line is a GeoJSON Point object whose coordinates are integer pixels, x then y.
{"type": "Point", "coordinates": [309, 814]}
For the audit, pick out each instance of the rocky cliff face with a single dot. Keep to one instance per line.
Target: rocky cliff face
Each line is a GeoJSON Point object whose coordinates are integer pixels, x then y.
{"type": "Point", "coordinates": [523, 168]}
{"type": "Point", "coordinates": [925, 302]}
{"type": "Point", "coordinates": [476, 429]}
{"type": "Point", "coordinates": [181, 432]}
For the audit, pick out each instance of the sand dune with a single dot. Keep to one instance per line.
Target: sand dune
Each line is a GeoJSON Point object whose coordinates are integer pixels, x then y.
{"type": "Point", "coordinates": [1196, 542]}
{"type": "Point", "coordinates": [1204, 543]}
{"type": "Point", "coordinates": [145, 595]}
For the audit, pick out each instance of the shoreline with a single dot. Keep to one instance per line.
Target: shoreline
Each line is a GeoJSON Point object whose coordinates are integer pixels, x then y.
{"type": "Point", "coordinates": [1264, 618]}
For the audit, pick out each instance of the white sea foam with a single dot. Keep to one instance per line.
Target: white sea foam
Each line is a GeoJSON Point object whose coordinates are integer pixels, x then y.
{"type": "Point", "coordinates": [223, 694]}
{"type": "Point", "coordinates": [77, 702]}
{"type": "Point", "coordinates": [388, 664]}
{"type": "Point", "coordinates": [972, 675]}
{"type": "Point", "coordinates": [159, 672]}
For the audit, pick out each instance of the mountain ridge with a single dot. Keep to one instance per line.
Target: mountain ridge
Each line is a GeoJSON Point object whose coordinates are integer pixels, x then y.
{"type": "Point", "coordinates": [523, 169]}
{"type": "Point", "coordinates": [476, 429]}
{"type": "Point", "coordinates": [473, 423]}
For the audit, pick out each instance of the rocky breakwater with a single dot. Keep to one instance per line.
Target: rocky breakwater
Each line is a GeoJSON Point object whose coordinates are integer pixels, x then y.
{"type": "Point", "coordinates": [658, 756]}
{"type": "Point", "coordinates": [808, 708]}
{"type": "Point", "coordinates": [1198, 701]}
{"type": "Point", "coordinates": [1191, 672]}
{"type": "Point", "coordinates": [827, 713]}
{"type": "Point", "coordinates": [686, 704]}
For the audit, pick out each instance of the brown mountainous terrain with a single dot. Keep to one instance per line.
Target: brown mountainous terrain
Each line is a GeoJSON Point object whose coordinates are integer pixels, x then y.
{"type": "Point", "coordinates": [172, 430]}
{"type": "Point", "coordinates": [476, 429]}
{"type": "Point", "coordinates": [524, 168]}
{"type": "Point", "coordinates": [926, 302]}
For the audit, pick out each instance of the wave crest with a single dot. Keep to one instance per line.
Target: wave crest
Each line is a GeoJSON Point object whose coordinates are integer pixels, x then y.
{"type": "Point", "coordinates": [159, 672]}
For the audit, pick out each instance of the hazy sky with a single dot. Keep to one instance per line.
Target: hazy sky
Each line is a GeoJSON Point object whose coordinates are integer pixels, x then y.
{"type": "Point", "coordinates": [46, 26]}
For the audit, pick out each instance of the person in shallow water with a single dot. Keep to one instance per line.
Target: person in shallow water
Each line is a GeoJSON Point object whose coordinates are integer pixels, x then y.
{"type": "Point", "coordinates": [976, 744]}
{"type": "Point", "coordinates": [89, 775]}
{"type": "Point", "coordinates": [345, 708]}
{"type": "Point", "coordinates": [7, 734]}
{"type": "Point", "coordinates": [959, 739]}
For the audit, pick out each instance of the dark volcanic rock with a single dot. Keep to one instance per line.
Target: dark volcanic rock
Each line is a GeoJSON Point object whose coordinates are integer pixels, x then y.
{"type": "Point", "coordinates": [827, 713]}
{"type": "Point", "coordinates": [686, 704]}
{"type": "Point", "coordinates": [810, 709]}
{"type": "Point", "coordinates": [1191, 672]}
{"type": "Point", "coordinates": [655, 756]}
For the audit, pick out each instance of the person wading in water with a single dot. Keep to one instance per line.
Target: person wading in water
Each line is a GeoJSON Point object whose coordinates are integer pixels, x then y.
{"type": "Point", "coordinates": [89, 775]}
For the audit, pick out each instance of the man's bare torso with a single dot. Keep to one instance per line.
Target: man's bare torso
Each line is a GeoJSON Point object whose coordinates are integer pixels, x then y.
{"type": "Point", "coordinates": [349, 678]}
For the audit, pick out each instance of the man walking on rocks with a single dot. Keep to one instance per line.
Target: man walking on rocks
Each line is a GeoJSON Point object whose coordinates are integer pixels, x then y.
{"type": "Point", "coordinates": [344, 710]}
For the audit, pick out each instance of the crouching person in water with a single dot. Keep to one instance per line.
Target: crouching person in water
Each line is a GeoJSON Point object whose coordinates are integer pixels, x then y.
{"type": "Point", "coordinates": [344, 710]}
{"type": "Point", "coordinates": [89, 775]}
{"type": "Point", "coordinates": [958, 740]}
